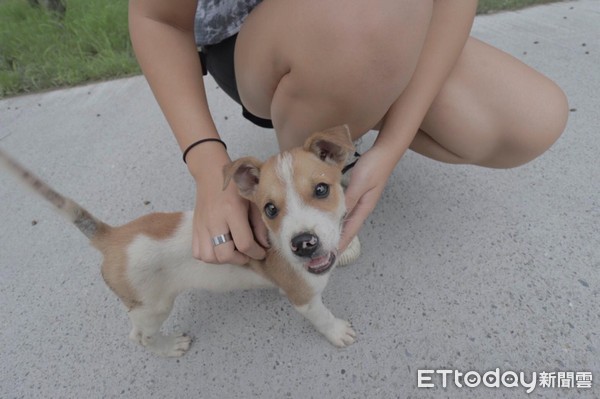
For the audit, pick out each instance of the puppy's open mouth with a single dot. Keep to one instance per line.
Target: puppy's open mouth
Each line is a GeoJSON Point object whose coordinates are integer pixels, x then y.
{"type": "Point", "coordinates": [321, 264]}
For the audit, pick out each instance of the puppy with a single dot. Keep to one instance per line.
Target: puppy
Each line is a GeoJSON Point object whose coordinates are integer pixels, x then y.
{"type": "Point", "coordinates": [148, 261]}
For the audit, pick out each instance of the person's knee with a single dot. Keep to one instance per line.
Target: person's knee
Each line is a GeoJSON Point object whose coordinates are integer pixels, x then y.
{"type": "Point", "coordinates": [533, 139]}
{"type": "Point", "coordinates": [556, 113]}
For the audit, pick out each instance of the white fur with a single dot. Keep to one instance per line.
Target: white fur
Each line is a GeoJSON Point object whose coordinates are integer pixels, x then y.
{"type": "Point", "coordinates": [168, 266]}
{"type": "Point", "coordinates": [302, 218]}
{"type": "Point", "coordinates": [162, 269]}
{"type": "Point", "coordinates": [337, 331]}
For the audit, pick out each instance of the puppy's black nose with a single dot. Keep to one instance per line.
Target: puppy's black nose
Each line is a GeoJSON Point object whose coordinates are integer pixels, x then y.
{"type": "Point", "coordinates": [305, 244]}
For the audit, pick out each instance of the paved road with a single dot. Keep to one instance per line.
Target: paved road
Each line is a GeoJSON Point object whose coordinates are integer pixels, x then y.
{"type": "Point", "coordinates": [462, 268]}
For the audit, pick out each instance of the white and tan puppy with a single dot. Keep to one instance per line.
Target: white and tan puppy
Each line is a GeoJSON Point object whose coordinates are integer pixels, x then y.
{"type": "Point", "coordinates": [148, 261]}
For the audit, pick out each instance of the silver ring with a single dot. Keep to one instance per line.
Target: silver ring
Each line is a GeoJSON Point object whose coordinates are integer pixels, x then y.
{"type": "Point", "coordinates": [221, 239]}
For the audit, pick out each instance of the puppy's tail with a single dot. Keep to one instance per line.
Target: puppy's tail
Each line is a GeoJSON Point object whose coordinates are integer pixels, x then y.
{"type": "Point", "coordinates": [90, 226]}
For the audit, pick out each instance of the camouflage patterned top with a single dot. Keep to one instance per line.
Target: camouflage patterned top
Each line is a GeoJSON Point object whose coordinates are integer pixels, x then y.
{"type": "Point", "coordinates": [216, 20]}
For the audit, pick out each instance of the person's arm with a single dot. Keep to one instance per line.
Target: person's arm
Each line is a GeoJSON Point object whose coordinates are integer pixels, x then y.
{"type": "Point", "coordinates": [162, 33]}
{"type": "Point", "coordinates": [449, 29]}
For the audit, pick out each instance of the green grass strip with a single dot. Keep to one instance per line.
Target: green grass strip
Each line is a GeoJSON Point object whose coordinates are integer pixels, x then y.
{"type": "Point", "coordinates": [490, 6]}
{"type": "Point", "coordinates": [40, 50]}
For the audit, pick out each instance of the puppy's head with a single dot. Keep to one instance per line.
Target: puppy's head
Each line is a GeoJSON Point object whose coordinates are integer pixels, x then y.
{"type": "Point", "coordinates": [300, 196]}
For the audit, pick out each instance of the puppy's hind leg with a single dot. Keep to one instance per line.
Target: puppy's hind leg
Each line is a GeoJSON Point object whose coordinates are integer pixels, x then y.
{"type": "Point", "coordinates": [147, 320]}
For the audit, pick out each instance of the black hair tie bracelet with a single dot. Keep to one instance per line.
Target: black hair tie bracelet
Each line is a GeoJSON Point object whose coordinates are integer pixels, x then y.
{"type": "Point", "coordinates": [194, 144]}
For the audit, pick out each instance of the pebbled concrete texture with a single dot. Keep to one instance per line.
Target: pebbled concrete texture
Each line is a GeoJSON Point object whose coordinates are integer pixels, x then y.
{"type": "Point", "coordinates": [462, 267]}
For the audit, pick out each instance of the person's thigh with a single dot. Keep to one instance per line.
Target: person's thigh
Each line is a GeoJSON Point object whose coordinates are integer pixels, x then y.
{"type": "Point", "coordinates": [308, 66]}
{"type": "Point", "coordinates": [492, 111]}
{"type": "Point", "coordinates": [312, 64]}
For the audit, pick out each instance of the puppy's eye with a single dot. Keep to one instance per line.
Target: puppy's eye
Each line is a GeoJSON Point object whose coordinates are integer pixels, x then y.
{"type": "Point", "coordinates": [271, 210]}
{"type": "Point", "coordinates": [322, 190]}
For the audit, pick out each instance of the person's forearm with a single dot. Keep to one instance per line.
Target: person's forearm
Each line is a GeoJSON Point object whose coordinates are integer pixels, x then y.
{"type": "Point", "coordinates": [165, 47]}
{"type": "Point", "coordinates": [449, 29]}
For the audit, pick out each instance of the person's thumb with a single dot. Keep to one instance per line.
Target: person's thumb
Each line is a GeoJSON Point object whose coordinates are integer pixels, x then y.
{"type": "Point", "coordinates": [355, 216]}
{"type": "Point", "coordinates": [352, 195]}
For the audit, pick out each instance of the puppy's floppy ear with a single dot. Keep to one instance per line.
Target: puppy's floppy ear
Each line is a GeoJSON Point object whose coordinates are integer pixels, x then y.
{"type": "Point", "coordinates": [331, 145]}
{"type": "Point", "coordinates": [245, 172]}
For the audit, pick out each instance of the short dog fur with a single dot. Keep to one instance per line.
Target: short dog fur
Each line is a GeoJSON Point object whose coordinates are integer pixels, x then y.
{"type": "Point", "coordinates": [149, 261]}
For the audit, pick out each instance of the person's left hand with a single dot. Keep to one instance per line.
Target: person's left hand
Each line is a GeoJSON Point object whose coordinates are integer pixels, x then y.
{"type": "Point", "coordinates": [367, 182]}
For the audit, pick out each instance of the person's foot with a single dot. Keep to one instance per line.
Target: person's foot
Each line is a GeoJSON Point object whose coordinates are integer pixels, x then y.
{"type": "Point", "coordinates": [351, 253]}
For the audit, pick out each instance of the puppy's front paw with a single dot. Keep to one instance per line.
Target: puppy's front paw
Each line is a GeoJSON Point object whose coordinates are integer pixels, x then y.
{"type": "Point", "coordinates": [340, 333]}
{"type": "Point", "coordinates": [168, 345]}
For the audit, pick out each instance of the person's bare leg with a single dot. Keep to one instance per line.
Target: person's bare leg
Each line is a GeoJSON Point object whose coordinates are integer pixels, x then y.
{"type": "Point", "coordinates": [493, 111]}
{"type": "Point", "coordinates": [313, 67]}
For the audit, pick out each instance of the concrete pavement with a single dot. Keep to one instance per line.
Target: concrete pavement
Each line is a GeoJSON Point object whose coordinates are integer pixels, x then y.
{"type": "Point", "coordinates": [462, 268]}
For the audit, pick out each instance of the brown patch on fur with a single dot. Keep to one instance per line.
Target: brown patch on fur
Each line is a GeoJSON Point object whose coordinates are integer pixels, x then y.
{"type": "Point", "coordinates": [258, 182]}
{"type": "Point", "coordinates": [113, 244]}
{"type": "Point", "coordinates": [331, 145]}
{"type": "Point", "coordinates": [276, 269]}
{"type": "Point", "coordinates": [271, 189]}
{"type": "Point", "coordinates": [245, 172]}
{"type": "Point", "coordinates": [309, 171]}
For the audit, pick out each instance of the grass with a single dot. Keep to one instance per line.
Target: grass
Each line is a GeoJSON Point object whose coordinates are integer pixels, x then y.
{"type": "Point", "coordinates": [490, 6]}
{"type": "Point", "coordinates": [40, 50]}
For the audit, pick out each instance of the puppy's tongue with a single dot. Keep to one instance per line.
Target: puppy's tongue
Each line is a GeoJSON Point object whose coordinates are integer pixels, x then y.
{"type": "Point", "coordinates": [319, 262]}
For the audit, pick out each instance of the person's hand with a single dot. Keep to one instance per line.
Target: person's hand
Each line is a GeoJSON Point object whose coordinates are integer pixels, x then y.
{"type": "Point", "coordinates": [367, 182]}
{"type": "Point", "coordinates": [218, 212]}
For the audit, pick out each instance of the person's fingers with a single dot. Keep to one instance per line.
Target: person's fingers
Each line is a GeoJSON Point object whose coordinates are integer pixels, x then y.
{"type": "Point", "coordinates": [201, 249]}
{"type": "Point", "coordinates": [196, 247]}
{"type": "Point", "coordinates": [218, 254]}
{"type": "Point", "coordinates": [204, 249]}
{"type": "Point", "coordinates": [352, 225]}
{"type": "Point", "coordinates": [352, 195]}
{"type": "Point", "coordinates": [243, 236]}
{"type": "Point", "coordinates": [353, 220]}
{"type": "Point", "coordinates": [222, 214]}
{"type": "Point", "coordinates": [258, 226]}
{"type": "Point", "coordinates": [366, 186]}
{"type": "Point", "coordinates": [360, 204]}
{"type": "Point", "coordinates": [226, 253]}
{"type": "Point", "coordinates": [203, 245]}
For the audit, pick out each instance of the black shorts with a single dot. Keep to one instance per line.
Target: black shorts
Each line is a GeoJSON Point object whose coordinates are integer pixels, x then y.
{"type": "Point", "coordinates": [218, 60]}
